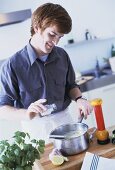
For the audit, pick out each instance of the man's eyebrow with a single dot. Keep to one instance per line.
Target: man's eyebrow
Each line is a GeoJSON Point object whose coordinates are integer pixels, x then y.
{"type": "Point", "coordinates": [57, 34]}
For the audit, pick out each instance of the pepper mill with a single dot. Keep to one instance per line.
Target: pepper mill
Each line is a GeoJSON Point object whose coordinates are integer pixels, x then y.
{"type": "Point", "coordinates": [102, 134]}
{"type": "Point", "coordinates": [113, 136]}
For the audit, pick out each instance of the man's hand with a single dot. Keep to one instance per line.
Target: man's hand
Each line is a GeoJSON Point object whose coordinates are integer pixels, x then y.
{"type": "Point", "coordinates": [84, 107]}
{"type": "Point", "coordinates": [36, 108]}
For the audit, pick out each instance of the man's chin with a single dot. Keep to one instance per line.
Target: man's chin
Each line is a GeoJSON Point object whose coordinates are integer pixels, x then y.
{"type": "Point", "coordinates": [49, 50]}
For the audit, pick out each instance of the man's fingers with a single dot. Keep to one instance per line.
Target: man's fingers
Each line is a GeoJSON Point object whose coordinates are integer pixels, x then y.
{"type": "Point", "coordinates": [36, 108]}
{"type": "Point", "coordinates": [40, 101]}
{"type": "Point", "coordinates": [32, 115]}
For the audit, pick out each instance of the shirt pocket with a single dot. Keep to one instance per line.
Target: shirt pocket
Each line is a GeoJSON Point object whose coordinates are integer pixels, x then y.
{"type": "Point", "coordinates": [31, 94]}
{"type": "Point", "coordinates": [59, 91]}
{"type": "Point", "coordinates": [59, 82]}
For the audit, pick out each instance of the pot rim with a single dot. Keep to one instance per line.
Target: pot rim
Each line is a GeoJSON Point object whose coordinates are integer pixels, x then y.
{"type": "Point", "coordinates": [82, 124]}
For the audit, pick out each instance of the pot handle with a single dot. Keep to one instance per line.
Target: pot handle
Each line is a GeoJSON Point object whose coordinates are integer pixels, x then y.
{"type": "Point", "coordinates": [57, 136]}
{"type": "Point", "coordinates": [91, 134]}
{"type": "Point", "coordinates": [81, 118]}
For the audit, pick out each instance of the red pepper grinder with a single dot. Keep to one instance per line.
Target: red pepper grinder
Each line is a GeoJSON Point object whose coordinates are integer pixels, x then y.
{"type": "Point", "coordinates": [102, 134]}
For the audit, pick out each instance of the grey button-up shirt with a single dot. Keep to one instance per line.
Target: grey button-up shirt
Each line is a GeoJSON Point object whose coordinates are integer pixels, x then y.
{"type": "Point", "coordinates": [24, 79]}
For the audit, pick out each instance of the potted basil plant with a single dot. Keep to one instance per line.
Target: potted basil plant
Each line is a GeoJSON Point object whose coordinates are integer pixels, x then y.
{"type": "Point", "coordinates": [20, 155]}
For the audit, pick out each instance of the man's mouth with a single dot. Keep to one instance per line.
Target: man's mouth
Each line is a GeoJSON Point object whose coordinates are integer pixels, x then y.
{"type": "Point", "coordinates": [49, 45]}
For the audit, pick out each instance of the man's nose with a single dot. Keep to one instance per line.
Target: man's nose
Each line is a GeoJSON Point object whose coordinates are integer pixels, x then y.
{"type": "Point", "coordinates": [55, 40]}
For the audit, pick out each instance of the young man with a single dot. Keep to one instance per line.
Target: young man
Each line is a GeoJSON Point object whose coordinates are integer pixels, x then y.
{"type": "Point", "coordinates": [41, 72]}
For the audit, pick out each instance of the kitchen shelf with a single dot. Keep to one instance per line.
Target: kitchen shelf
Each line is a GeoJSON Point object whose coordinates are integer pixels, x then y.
{"type": "Point", "coordinates": [83, 42]}
{"type": "Point", "coordinates": [14, 17]}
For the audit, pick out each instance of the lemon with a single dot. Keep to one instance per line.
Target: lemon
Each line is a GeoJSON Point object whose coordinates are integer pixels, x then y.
{"type": "Point", "coordinates": [57, 160]}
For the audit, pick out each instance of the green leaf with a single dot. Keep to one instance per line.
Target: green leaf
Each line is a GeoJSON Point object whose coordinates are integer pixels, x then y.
{"type": "Point", "coordinates": [19, 168]}
{"type": "Point", "coordinates": [41, 149]}
{"type": "Point", "coordinates": [24, 161]}
{"type": "Point", "coordinates": [5, 168]}
{"type": "Point", "coordinates": [21, 134]}
{"type": "Point", "coordinates": [28, 168]}
{"type": "Point", "coordinates": [17, 151]}
{"type": "Point", "coordinates": [26, 147]}
{"type": "Point", "coordinates": [19, 140]}
{"type": "Point", "coordinates": [20, 155]}
{"type": "Point", "coordinates": [2, 148]}
{"type": "Point", "coordinates": [28, 135]}
{"type": "Point", "coordinates": [4, 159]}
{"type": "Point", "coordinates": [34, 141]}
{"type": "Point", "coordinates": [4, 142]}
{"type": "Point", "coordinates": [41, 142]}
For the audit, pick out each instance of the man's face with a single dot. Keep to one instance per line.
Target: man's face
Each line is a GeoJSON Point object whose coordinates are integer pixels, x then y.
{"type": "Point", "coordinates": [47, 39]}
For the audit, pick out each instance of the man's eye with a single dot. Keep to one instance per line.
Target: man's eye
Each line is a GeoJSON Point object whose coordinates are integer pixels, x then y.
{"type": "Point", "coordinates": [52, 35]}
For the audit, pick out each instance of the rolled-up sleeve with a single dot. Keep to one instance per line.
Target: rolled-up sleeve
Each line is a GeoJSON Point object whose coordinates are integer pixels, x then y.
{"type": "Point", "coordinates": [8, 91]}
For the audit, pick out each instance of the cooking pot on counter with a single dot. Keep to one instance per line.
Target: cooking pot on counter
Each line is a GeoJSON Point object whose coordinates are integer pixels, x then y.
{"type": "Point", "coordinates": [71, 139]}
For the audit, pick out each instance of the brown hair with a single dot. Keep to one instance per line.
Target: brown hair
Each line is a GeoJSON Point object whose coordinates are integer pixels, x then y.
{"type": "Point", "coordinates": [51, 14]}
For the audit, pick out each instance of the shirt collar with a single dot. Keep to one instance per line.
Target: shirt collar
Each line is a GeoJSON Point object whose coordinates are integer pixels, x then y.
{"type": "Point", "coordinates": [33, 56]}
{"type": "Point", "coordinates": [31, 53]}
{"type": "Point", "coordinates": [44, 58]}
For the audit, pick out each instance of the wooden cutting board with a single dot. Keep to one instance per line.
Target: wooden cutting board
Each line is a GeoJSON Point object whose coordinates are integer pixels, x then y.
{"type": "Point", "coordinates": [75, 161]}
{"type": "Point", "coordinates": [84, 79]}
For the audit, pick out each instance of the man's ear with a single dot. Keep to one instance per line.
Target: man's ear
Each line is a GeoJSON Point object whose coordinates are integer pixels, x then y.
{"type": "Point", "coordinates": [36, 29]}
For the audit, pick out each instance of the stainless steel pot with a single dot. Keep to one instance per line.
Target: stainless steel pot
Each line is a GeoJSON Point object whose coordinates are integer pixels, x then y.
{"type": "Point", "coordinates": [71, 145]}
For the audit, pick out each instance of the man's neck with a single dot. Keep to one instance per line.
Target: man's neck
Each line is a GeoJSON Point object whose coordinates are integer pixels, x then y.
{"type": "Point", "coordinates": [36, 48]}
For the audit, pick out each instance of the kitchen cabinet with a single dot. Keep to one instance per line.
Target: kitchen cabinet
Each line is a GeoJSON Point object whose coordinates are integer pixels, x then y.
{"type": "Point", "coordinates": [107, 94]}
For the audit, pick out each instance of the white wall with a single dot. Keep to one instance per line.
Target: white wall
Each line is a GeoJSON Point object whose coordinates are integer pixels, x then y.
{"type": "Point", "coordinates": [98, 16]}
{"type": "Point", "coordinates": [85, 53]}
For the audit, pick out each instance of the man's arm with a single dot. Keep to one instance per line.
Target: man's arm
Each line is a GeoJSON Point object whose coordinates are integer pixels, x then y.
{"type": "Point", "coordinates": [11, 113]}
{"type": "Point", "coordinates": [75, 93]}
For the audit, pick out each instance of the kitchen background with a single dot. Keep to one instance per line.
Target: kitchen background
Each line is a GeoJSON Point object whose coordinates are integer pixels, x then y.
{"type": "Point", "coordinates": [95, 16]}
